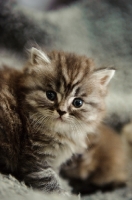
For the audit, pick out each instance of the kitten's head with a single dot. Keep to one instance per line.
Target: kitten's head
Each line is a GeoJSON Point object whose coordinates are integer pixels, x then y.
{"type": "Point", "coordinates": [63, 92]}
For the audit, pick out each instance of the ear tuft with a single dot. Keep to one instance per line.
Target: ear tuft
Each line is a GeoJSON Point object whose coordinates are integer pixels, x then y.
{"type": "Point", "coordinates": [104, 76]}
{"type": "Point", "coordinates": [38, 56]}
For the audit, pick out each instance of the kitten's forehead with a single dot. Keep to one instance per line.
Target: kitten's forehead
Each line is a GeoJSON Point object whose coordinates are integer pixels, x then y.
{"type": "Point", "coordinates": [71, 71]}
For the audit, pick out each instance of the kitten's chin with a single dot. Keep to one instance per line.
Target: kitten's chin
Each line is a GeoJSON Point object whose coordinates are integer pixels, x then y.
{"type": "Point", "coordinates": [61, 126]}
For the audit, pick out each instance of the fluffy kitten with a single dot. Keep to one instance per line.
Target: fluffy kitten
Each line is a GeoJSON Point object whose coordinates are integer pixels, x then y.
{"type": "Point", "coordinates": [46, 112]}
{"type": "Point", "coordinates": [101, 166]}
{"type": "Point", "coordinates": [127, 140]}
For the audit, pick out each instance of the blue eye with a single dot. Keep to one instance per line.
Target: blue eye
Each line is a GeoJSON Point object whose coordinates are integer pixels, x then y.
{"type": "Point", "coordinates": [77, 102]}
{"type": "Point", "coordinates": [51, 95]}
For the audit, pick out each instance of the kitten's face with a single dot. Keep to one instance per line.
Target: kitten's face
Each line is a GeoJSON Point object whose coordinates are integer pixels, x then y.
{"type": "Point", "coordinates": [63, 92]}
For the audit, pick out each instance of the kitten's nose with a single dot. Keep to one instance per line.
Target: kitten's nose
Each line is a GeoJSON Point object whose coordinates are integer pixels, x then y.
{"type": "Point", "coordinates": [61, 112]}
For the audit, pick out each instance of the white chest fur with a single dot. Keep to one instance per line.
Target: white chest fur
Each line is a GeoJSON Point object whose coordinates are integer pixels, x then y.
{"type": "Point", "coordinates": [64, 152]}
{"type": "Point", "coordinates": [63, 147]}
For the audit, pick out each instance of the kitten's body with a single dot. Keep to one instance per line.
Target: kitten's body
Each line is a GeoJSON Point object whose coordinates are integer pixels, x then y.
{"type": "Point", "coordinates": [127, 141]}
{"type": "Point", "coordinates": [101, 166]}
{"type": "Point", "coordinates": [41, 125]}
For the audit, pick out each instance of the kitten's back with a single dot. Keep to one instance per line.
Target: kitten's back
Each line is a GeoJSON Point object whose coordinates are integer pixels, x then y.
{"type": "Point", "coordinates": [10, 125]}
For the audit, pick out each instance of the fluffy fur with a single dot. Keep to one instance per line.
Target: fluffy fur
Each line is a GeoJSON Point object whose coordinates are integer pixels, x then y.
{"type": "Point", "coordinates": [46, 112]}
{"type": "Point", "coordinates": [101, 166]}
{"type": "Point", "coordinates": [127, 141]}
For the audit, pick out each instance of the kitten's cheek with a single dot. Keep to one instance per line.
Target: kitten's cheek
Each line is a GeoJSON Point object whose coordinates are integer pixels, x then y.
{"type": "Point", "coordinates": [92, 117]}
{"type": "Point", "coordinates": [56, 114]}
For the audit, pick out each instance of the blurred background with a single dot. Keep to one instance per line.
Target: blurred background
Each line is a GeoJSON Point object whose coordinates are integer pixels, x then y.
{"type": "Point", "coordinates": [45, 5]}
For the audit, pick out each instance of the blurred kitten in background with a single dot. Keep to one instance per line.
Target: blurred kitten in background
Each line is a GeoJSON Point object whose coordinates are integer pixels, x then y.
{"type": "Point", "coordinates": [127, 140]}
{"type": "Point", "coordinates": [102, 166]}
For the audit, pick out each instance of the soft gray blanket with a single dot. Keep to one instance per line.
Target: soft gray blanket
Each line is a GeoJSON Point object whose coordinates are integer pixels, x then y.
{"type": "Point", "coordinates": [11, 189]}
{"type": "Point", "coordinates": [100, 29]}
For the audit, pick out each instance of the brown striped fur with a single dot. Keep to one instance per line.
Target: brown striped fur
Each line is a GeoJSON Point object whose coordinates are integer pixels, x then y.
{"type": "Point", "coordinates": [35, 137]}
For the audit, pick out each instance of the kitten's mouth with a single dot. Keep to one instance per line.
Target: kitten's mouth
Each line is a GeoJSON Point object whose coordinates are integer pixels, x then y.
{"type": "Point", "coordinates": [60, 119]}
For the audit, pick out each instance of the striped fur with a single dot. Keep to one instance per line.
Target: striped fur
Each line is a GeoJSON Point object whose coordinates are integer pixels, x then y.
{"type": "Point", "coordinates": [35, 138]}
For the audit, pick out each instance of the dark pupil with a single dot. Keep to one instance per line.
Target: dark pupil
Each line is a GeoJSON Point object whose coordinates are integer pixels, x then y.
{"type": "Point", "coordinates": [77, 102]}
{"type": "Point", "coordinates": [51, 95]}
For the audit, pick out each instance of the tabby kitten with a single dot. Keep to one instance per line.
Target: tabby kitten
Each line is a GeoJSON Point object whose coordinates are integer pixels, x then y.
{"type": "Point", "coordinates": [46, 112]}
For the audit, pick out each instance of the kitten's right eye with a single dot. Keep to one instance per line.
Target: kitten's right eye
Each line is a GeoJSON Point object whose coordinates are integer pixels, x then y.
{"type": "Point", "coordinates": [51, 95]}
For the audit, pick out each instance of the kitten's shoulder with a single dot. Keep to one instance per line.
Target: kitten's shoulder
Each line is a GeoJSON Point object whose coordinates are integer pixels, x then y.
{"type": "Point", "coordinates": [7, 75]}
{"type": "Point", "coordinates": [7, 88]}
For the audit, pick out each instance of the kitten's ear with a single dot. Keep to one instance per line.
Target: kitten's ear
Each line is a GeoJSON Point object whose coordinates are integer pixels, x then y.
{"type": "Point", "coordinates": [38, 56]}
{"type": "Point", "coordinates": [104, 76]}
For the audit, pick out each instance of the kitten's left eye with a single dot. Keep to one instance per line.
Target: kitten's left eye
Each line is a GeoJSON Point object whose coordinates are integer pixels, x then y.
{"type": "Point", "coordinates": [77, 102]}
{"type": "Point", "coordinates": [51, 95]}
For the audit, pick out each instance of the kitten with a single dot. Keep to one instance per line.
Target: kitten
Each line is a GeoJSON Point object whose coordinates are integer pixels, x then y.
{"type": "Point", "coordinates": [46, 112]}
{"type": "Point", "coordinates": [101, 166]}
{"type": "Point", "coordinates": [127, 142]}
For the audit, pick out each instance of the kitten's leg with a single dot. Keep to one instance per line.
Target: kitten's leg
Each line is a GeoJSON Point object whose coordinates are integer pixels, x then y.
{"type": "Point", "coordinates": [44, 179]}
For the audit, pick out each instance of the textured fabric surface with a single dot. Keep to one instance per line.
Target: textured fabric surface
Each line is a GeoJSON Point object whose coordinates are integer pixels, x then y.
{"type": "Point", "coordinates": [11, 189]}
